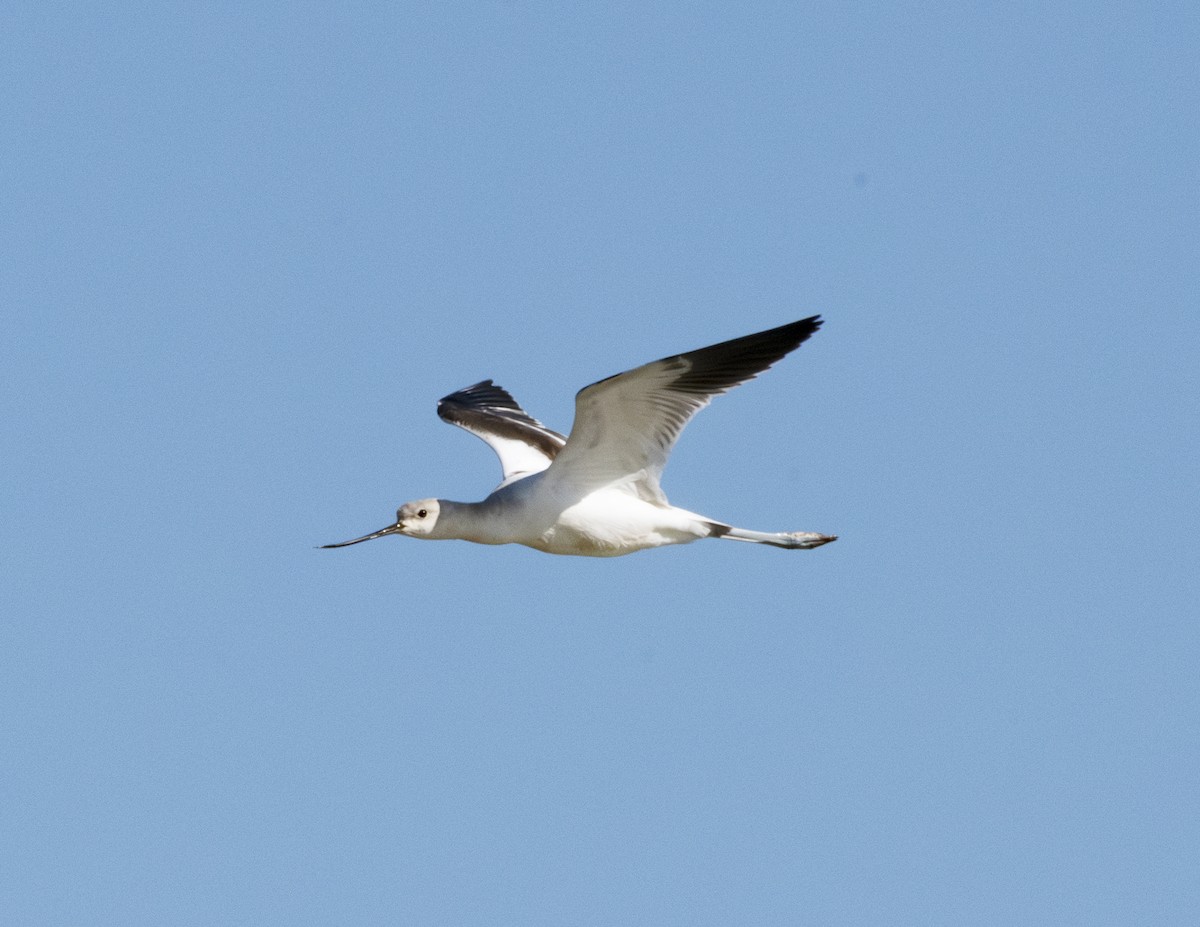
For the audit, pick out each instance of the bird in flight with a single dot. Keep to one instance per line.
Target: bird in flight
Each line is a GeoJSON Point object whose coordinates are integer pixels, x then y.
{"type": "Point", "coordinates": [596, 493]}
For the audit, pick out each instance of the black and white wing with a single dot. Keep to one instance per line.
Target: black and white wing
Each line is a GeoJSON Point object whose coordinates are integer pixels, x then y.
{"type": "Point", "coordinates": [523, 444]}
{"type": "Point", "coordinates": [625, 426]}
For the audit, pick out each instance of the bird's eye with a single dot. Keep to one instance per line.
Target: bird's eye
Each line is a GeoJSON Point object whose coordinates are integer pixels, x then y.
{"type": "Point", "coordinates": [421, 513]}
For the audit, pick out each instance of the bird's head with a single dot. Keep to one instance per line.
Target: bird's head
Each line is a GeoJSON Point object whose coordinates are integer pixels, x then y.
{"type": "Point", "coordinates": [415, 519]}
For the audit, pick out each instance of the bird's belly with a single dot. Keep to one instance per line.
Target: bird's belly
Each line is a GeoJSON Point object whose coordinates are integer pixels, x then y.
{"type": "Point", "coordinates": [613, 524]}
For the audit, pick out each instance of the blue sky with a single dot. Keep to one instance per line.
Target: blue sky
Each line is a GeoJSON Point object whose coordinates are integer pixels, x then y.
{"type": "Point", "coordinates": [248, 246]}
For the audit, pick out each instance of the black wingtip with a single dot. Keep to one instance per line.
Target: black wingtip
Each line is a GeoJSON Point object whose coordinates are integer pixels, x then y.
{"type": "Point", "coordinates": [806, 326]}
{"type": "Point", "coordinates": [485, 391]}
{"type": "Point", "coordinates": [722, 366]}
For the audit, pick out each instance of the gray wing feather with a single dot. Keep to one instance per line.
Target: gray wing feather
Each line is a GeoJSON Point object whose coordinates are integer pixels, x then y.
{"type": "Point", "coordinates": [626, 425]}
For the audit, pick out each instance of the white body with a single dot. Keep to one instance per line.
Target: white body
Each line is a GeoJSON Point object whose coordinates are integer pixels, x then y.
{"type": "Point", "coordinates": [604, 523]}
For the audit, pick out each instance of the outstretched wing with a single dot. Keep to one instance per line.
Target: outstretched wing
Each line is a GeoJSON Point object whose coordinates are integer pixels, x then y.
{"type": "Point", "coordinates": [625, 426]}
{"type": "Point", "coordinates": [523, 444]}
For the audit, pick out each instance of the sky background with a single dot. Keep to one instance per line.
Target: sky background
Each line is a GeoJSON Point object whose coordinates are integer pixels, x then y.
{"type": "Point", "coordinates": [246, 247]}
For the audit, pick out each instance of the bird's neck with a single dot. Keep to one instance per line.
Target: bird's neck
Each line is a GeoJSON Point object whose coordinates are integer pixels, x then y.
{"type": "Point", "coordinates": [466, 521]}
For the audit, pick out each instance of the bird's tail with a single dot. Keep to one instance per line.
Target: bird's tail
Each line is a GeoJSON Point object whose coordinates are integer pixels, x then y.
{"type": "Point", "coordinates": [790, 540]}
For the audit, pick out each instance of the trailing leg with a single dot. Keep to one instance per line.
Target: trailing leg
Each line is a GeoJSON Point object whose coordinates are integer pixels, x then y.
{"type": "Point", "coordinates": [789, 540]}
